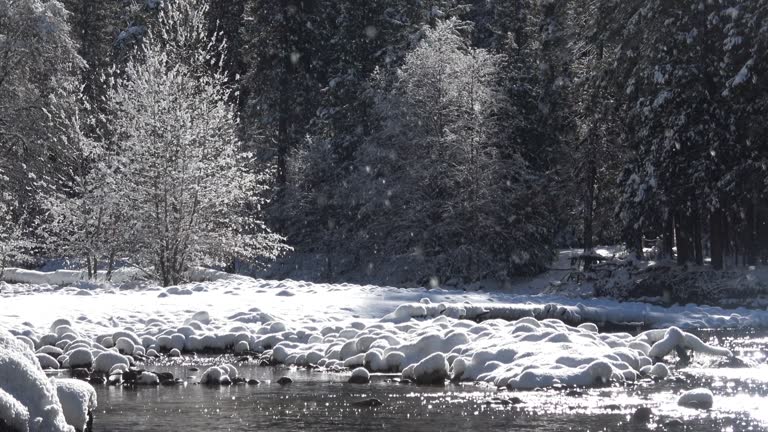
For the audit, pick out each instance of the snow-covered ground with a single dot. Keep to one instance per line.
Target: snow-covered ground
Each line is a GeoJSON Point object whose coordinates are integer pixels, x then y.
{"type": "Point", "coordinates": [520, 341]}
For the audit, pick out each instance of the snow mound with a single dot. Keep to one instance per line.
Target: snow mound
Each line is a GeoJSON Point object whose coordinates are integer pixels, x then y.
{"type": "Point", "coordinates": [698, 398]}
{"type": "Point", "coordinates": [23, 384]}
{"type": "Point", "coordinates": [78, 399]}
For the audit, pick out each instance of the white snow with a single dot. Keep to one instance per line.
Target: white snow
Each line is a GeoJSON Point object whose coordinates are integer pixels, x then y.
{"type": "Point", "coordinates": [698, 398]}
{"type": "Point", "coordinates": [78, 398]}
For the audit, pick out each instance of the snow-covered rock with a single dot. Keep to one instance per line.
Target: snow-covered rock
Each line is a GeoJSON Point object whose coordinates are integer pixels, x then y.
{"type": "Point", "coordinates": [78, 399]}
{"type": "Point", "coordinates": [13, 413]}
{"type": "Point", "coordinates": [80, 358]}
{"type": "Point", "coordinates": [107, 360]}
{"type": "Point", "coordinates": [215, 376]}
{"type": "Point", "coordinates": [47, 362]}
{"type": "Point", "coordinates": [23, 384]}
{"type": "Point", "coordinates": [431, 370]}
{"type": "Point", "coordinates": [147, 379]}
{"type": "Point", "coordinates": [360, 376]}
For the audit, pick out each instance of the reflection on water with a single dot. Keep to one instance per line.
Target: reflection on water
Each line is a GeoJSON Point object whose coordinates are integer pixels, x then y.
{"type": "Point", "coordinates": [323, 401]}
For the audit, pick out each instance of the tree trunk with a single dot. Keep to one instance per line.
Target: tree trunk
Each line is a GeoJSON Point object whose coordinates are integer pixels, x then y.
{"type": "Point", "coordinates": [589, 204]}
{"type": "Point", "coordinates": [750, 243]}
{"type": "Point", "coordinates": [668, 238]}
{"type": "Point", "coordinates": [682, 239]}
{"type": "Point", "coordinates": [716, 238]}
{"type": "Point", "coordinates": [697, 246]}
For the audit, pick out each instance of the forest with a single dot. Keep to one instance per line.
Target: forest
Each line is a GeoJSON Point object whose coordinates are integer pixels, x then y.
{"type": "Point", "coordinates": [471, 138]}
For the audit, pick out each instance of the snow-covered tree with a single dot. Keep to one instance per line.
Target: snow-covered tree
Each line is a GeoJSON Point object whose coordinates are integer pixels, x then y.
{"type": "Point", "coordinates": [39, 67]}
{"type": "Point", "coordinates": [437, 185]}
{"type": "Point", "coordinates": [175, 154]}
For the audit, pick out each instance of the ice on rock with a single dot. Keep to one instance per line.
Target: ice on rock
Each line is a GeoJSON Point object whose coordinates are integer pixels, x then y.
{"type": "Point", "coordinates": [24, 385]}
{"type": "Point", "coordinates": [175, 353]}
{"type": "Point", "coordinates": [106, 361]}
{"type": "Point", "coordinates": [78, 399]}
{"type": "Point", "coordinates": [700, 398]}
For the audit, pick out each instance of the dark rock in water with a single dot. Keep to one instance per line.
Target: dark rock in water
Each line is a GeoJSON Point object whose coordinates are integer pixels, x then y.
{"type": "Point", "coordinates": [81, 374]}
{"type": "Point", "coordinates": [734, 362]}
{"type": "Point", "coordinates": [574, 393]}
{"type": "Point", "coordinates": [164, 376]}
{"type": "Point", "coordinates": [239, 380]}
{"type": "Point", "coordinates": [243, 359]}
{"type": "Point", "coordinates": [254, 382]}
{"type": "Point", "coordinates": [284, 380]}
{"type": "Point", "coordinates": [130, 376]}
{"type": "Point", "coordinates": [372, 402]}
{"type": "Point", "coordinates": [100, 380]}
{"type": "Point", "coordinates": [433, 378]}
{"type": "Point", "coordinates": [612, 407]}
{"type": "Point", "coordinates": [193, 369]}
{"type": "Point", "coordinates": [359, 379]}
{"type": "Point", "coordinates": [642, 415]}
{"type": "Point", "coordinates": [405, 381]}
{"type": "Point", "coordinates": [505, 402]}
{"type": "Point", "coordinates": [172, 382]}
{"type": "Point", "coordinates": [674, 423]}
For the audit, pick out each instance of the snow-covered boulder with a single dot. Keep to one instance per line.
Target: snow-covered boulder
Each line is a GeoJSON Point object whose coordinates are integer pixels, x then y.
{"type": "Point", "coordinates": [215, 376]}
{"type": "Point", "coordinates": [47, 362]}
{"type": "Point", "coordinates": [106, 361]}
{"type": "Point", "coordinates": [23, 384]}
{"type": "Point", "coordinates": [80, 358]}
{"type": "Point", "coordinates": [147, 379]}
{"type": "Point", "coordinates": [78, 400]}
{"type": "Point", "coordinates": [360, 376]}
{"type": "Point", "coordinates": [13, 415]}
{"type": "Point", "coordinates": [431, 370]}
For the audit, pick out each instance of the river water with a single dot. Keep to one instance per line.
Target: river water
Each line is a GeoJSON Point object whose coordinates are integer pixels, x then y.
{"type": "Point", "coordinates": [325, 402]}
